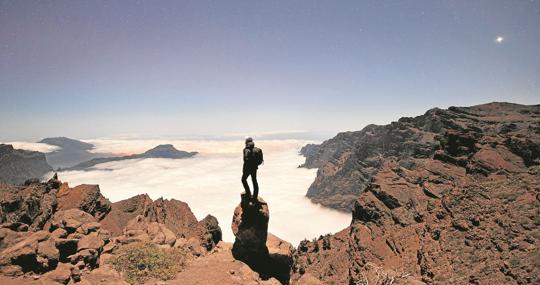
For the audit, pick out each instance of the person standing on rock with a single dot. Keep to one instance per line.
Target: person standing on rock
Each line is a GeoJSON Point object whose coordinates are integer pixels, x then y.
{"type": "Point", "coordinates": [253, 157]}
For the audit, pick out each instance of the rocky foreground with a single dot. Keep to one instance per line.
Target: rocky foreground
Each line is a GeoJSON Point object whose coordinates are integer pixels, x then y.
{"type": "Point", "coordinates": [51, 233]}
{"type": "Point", "coordinates": [449, 197]}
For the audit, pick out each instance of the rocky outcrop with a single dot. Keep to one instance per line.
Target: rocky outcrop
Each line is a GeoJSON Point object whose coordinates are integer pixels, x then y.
{"type": "Point", "coordinates": [477, 138]}
{"type": "Point", "coordinates": [123, 211]}
{"type": "Point", "coordinates": [448, 201]}
{"type": "Point", "coordinates": [160, 151]}
{"type": "Point", "coordinates": [175, 215]}
{"type": "Point", "coordinates": [85, 197]}
{"type": "Point", "coordinates": [27, 206]}
{"type": "Point", "coordinates": [309, 151]}
{"type": "Point", "coordinates": [17, 166]}
{"type": "Point", "coordinates": [53, 230]}
{"type": "Point", "coordinates": [250, 228]}
{"type": "Point", "coordinates": [70, 243]}
{"type": "Point", "coordinates": [141, 229]}
{"type": "Point", "coordinates": [263, 252]}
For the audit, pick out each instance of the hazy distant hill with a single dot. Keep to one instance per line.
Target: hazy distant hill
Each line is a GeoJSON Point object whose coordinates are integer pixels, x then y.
{"type": "Point", "coordinates": [160, 151]}
{"type": "Point", "coordinates": [67, 143]}
{"type": "Point", "coordinates": [71, 152]}
{"type": "Point", "coordinates": [16, 166]}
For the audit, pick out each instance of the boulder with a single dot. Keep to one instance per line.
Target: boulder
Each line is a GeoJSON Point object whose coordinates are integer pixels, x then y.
{"type": "Point", "coordinates": [141, 229]}
{"type": "Point", "coordinates": [250, 228]}
{"type": "Point", "coordinates": [90, 241]}
{"type": "Point", "coordinates": [61, 275]}
{"type": "Point", "coordinates": [124, 211]}
{"type": "Point", "coordinates": [70, 220]}
{"type": "Point", "coordinates": [25, 253]}
{"type": "Point", "coordinates": [281, 256]}
{"type": "Point", "coordinates": [84, 197]}
{"type": "Point", "coordinates": [265, 253]}
{"type": "Point", "coordinates": [47, 254]}
{"type": "Point", "coordinates": [207, 232]}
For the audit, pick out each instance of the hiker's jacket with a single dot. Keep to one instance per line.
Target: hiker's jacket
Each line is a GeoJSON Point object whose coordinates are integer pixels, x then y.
{"type": "Point", "coordinates": [249, 159]}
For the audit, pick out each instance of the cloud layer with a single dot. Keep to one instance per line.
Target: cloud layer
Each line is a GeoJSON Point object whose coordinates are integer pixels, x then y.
{"type": "Point", "coordinates": [210, 183]}
{"type": "Point", "coordinates": [41, 147]}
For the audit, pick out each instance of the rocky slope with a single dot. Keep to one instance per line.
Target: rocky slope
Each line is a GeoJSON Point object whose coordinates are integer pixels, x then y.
{"type": "Point", "coordinates": [51, 233]}
{"type": "Point", "coordinates": [17, 166]}
{"type": "Point", "coordinates": [160, 151]}
{"type": "Point", "coordinates": [449, 197]}
{"type": "Point", "coordinates": [347, 162]}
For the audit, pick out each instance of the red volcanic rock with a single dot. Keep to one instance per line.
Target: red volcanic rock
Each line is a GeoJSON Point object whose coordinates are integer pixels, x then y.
{"type": "Point", "coordinates": [482, 139]}
{"type": "Point", "coordinates": [450, 197]}
{"type": "Point", "coordinates": [208, 232]}
{"type": "Point", "coordinates": [250, 228]}
{"type": "Point", "coordinates": [85, 197]}
{"type": "Point", "coordinates": [125, 210]}
{"type": "Point", "coordinates": [174, 215]}
{"type": "Point", "coordinates": [263, 252]}
{"type": "Point", "coordinates": [141, 229]}
{"type": "Point", "coordinates": [31, 205]}
{"type": "Point", "coordinates": [51, 233]}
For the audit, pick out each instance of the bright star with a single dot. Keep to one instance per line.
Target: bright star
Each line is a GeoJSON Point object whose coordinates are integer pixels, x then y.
{"type": "Point", "coordinates": [499, 39]}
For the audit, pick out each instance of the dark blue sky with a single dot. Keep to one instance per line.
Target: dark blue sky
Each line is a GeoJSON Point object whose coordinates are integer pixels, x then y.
{"type": "Point", "coordinates": [102, 68]}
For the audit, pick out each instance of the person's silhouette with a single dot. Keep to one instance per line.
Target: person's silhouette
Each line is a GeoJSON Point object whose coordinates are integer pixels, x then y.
{"type": "Point", "coordinates": [252, 159]}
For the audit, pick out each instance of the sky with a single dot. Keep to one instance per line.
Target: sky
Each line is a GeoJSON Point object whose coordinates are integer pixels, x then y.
{"type": "Point", "coordinates": [88, 69]}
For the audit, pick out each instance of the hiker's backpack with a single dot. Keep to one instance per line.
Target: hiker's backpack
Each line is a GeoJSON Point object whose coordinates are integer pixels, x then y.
{"type": "Point", "coordinates": [258, 155]}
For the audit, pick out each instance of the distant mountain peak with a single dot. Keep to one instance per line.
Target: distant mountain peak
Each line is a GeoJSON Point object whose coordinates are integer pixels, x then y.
{"type": "Point", "coordinates": [67, 143]}
{"type": "Point", "coordinates": [160, 151]}
{"type": "Point", "coordinates": [166, 151]}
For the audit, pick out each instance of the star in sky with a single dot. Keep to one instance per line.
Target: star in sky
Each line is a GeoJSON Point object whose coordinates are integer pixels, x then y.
{"type": "Point", "coordinates": [499, 39]}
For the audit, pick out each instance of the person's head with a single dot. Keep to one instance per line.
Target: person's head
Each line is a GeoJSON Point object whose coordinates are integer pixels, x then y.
{"type": "Point", "coordinates": [250, 145]}
{"type": "Point", "coordinates": [249, 140]}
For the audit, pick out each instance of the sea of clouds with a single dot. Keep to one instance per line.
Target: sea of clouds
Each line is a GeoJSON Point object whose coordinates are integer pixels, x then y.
{"type": "Point", "coordinates": [210, 182]}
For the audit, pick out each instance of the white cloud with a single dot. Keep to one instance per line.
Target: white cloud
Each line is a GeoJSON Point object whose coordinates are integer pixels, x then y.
{"type": "Point", "coordinates": [41, 147]}
{"type": "Point", "coordinates": [210, 183]}
{"type": "Point", "coordinates": [122, 146]}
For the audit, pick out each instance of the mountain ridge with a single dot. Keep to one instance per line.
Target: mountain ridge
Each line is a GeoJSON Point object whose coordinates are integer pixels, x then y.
{"type": "Point", "coordinates": [448, 197]}
{"type": "Point", "coordinates": [160, 151]}
{"type": "Point", "coordinates": [346, 162]}
{"type": "Point", "coordinates": [17, 166]}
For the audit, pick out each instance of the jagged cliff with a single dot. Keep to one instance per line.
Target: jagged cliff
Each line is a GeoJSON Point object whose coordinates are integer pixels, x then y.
{"type": "Point", "coordinates": [348, 162]}
{"type": "Point", "coordinates": [449, 197]}
{"type": "Point", "coordinates": [17, 166]}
